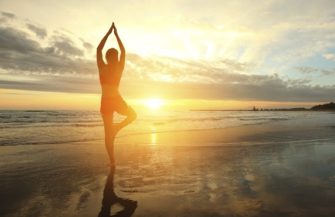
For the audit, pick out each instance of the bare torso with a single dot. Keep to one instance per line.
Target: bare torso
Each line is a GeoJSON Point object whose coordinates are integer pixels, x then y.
{"type": "Point", "coordinates": [110, 79]}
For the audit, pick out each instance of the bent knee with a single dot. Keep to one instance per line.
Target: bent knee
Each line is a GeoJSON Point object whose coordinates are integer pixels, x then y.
{"type": "Point", "coordinates": [132, 115]}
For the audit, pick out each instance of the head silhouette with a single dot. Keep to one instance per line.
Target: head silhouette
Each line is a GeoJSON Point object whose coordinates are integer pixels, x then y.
{"type": "Point", "coordinates": [112, 56]}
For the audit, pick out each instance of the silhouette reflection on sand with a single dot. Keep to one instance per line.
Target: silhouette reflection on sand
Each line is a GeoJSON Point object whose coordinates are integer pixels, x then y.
{"type": "Point", "coordinates": [110, 199]}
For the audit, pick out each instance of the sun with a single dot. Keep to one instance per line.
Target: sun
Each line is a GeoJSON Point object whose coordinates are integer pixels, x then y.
{"type": "Point", "coordinates": [154, 103]}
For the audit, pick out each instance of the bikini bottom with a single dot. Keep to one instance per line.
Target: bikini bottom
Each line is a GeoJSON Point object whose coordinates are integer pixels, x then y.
{"type": "Point", "coordinates": [113, 104]}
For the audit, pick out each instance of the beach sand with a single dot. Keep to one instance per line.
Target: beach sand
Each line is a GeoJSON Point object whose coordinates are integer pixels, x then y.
{"type": "Point", "coordinates": [276, 169]}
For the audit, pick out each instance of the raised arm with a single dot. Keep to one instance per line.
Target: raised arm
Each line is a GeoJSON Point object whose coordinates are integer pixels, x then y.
{"type": "Point", "coordinates": [123, 51]}
{"type": "Point", "coordinates": [100, 61]}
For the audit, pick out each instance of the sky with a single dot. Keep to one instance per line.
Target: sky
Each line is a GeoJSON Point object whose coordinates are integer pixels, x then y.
{"type": "Point", "coordinates": [196, 54]}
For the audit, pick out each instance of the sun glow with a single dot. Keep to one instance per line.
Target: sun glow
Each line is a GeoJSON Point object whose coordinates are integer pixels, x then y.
{"type": "Point", "coordinates": [154, 103]}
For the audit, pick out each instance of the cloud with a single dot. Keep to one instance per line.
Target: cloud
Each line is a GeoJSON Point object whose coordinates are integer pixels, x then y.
{"type": "Point", "coordinates": [13, 40]}
{"type": "Point", "coordinates": [54, 84]}
{"type": "Point", "coordinates": [62, 63]}
{"type": "Point", "coordinates": [39, 31]}
{"type": "Point", "coordinates": [329, 56]}
{"type": "Point", "coordinates": [312, 70]}
{"type": "Point", "coordinates": [208, 82]}
{"type": "Point", "coordinates": [8, 15]}
{"type": "Point", "coordinates": [306, 70]}
{"type": "Point", "coordinates": [65, 46]}
{"type": "Point", "coordinates": [19, 52]}
{"type": "Point", "coordinates": [87, 45]}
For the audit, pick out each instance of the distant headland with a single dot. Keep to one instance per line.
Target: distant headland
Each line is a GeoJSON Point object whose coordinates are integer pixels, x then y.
{"type": "Point", "coordinates": [323, 107]}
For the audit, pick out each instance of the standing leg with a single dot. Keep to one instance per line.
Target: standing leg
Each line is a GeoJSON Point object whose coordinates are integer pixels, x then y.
{"type": "Point", "coordinates": [110, 133]}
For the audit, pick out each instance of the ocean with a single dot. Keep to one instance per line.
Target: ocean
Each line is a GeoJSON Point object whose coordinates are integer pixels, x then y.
{"type": "Point", "coordinates": [33, 127]}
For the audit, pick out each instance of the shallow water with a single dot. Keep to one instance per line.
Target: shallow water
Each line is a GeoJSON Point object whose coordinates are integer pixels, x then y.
{"type": "Point", "coordinates": [278, 170]}
{"type": "Point", "coordinates": [266, 180]}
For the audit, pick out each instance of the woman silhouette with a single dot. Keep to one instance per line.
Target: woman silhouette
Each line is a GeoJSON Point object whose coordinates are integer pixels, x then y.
{"type": "Point", "coordinates": [111, 100]}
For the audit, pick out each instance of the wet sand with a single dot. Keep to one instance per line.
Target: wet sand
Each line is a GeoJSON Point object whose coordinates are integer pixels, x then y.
{"type": "Point", "coordinates": [264, 170]}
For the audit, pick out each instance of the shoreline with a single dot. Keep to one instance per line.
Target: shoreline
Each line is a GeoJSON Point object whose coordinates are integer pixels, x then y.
{"type": "Point", "coordinates": [235, 171]}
